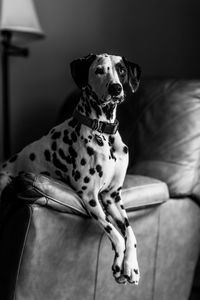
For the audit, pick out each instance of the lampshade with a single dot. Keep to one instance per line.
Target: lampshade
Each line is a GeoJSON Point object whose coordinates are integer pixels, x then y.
{"type": "Point", "coordinates": [20, 18]}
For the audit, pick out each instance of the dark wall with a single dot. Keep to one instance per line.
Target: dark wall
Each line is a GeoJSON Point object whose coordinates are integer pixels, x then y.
{"type": "Point", "coordinates": [162, 36]}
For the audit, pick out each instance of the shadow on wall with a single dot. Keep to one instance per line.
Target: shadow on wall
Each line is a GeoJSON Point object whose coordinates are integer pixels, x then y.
{"type": "Point", "coordinates": [160, 36]}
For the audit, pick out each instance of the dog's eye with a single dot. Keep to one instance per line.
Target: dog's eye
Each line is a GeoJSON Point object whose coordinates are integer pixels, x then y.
{"type": "Point", "coordinates": [122, 71]}
{"type": "Point", "coordinates": [99, 71]}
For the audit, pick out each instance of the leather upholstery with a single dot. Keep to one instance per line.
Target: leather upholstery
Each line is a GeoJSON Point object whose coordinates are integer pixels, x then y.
{"type": "Point", "coordinates": [56, 255]}
{"type": "Point", "coordinates": [167, 136]}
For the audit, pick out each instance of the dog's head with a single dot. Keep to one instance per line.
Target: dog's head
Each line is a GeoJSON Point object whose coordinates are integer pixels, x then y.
{"type": "Point", "coordinates": [106, 75]}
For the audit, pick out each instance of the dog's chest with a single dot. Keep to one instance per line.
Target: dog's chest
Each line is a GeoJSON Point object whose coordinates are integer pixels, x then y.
{"type": "Point", "coordinates": [100, 154]}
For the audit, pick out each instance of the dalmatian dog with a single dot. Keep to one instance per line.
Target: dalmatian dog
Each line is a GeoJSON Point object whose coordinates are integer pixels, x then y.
{"type": "Point", "coordinates": [87, 152]}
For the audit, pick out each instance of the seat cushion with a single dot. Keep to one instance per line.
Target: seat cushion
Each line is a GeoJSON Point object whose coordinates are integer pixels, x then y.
{"type": "Point", "coordinates": [137, 192]}
{"type": "Point", "coordinates": [167, 136]}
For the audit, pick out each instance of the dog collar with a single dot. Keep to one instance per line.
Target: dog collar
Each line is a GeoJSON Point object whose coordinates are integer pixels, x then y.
{"type": "Point", "coordinates": [96, 125]}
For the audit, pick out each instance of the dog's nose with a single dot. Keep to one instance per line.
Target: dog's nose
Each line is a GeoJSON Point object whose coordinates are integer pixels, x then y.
{"type": "Point", "coordinates": [114, 89]}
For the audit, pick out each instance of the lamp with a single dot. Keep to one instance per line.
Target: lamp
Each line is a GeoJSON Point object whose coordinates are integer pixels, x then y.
{"type": "Point", "coordinates": [19, 25]}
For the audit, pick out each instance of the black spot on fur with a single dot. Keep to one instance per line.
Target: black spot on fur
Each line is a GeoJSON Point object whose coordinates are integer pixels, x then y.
{"type": "Point", "coordinates": [4, 165]}
{"type": "Point", "coordinates": [74, 136]}
{"type": "Point", "coordinates": [108, 228]}
{"type": "Point", "coordinates": [96, 109]}
{"type": "Point", "coordinates": [111, 140]}
{"type": "Point", "coordinates": [119, 188]}
{"type": "Point", "coordinates": [99, 170]}
{"type": "Point", "coordinates": [122, 206]}
{"type": "Point", "coordinates": [135, 271]}
{"type": "Point", "coordinates": [126, 222]}
{"type": "Point", "coordinates": [58, 164]}
{"type": "Point", "coordinates": [62, 154]}
{"type": "Point", "coordinates": [116, 255]}
{"type": "Point", "coordinates": [125, 149]}
{"type": "Point", "coordinates": [32, 156]}
{"type": "Point", "coordinates": [113, 194]}
{"type": "Point", "coordinates": [117, 198]}
{"type": "Point", "coordinates": [72, 152]}
{"type": "Point", "coordinates": [90, 151]}
{"type": "Point", "coordinates": [45, 173]}
{"type": "Point", "coordinates": [67, 140]}
{"type": "Point", "coordinates": [86, 141]}
{"type": "Point", "coordinates": [92, 203]}
{"type": "Point", "coordinates": [66, 132]}
{"type": "Point", "coordinates": [13, 158]}
{"type": "Point", "coordinates": [80, 193]}
{"type": "Point", "coordinates": [91, 171]}
{"type": "Point", "coordinates": [86, 179]}
{"type": "Point", "coordinates": [84, 187]}
{"type": "Point", "coordinates": [47, 155]}
{"type": "Point", "coordinates": [121, 227]}
{"type": "Point", "coordinates": [112, 150]}
{"type": "Point", "coordinates": [117, 269]}
{"type": "Point", "coordinates": [109, 110]}
{"type": "Point", "coordinates": [89, 137]}
{"type": "Point", "coordinates": [54, 146]}
{"type": "Point", "coordinates": [83, 161]}
{"type": "Point", "coordinates": [77, 175]}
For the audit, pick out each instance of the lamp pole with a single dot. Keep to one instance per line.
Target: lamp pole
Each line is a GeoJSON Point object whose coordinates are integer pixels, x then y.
{"type": "Point", "coordinates": [7, 50]}
{"type": "Point", "coordinates": [5, 93]}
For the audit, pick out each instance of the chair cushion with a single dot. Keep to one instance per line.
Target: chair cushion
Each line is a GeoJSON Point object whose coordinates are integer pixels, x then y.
{"type": "Point", "coordinates": [138, 192]}
{"type": "Point", "coordinates": [167, 134]}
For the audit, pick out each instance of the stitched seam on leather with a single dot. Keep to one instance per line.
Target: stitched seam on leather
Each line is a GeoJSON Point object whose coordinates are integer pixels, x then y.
{"type": "Point", "coordinates": [57, 201]}
{"type": "Point", "coordinates": [156, 256]}
{"type": "Point", "coordinates": [143, 186]}
{"type": "Point", "coordinates": [144, 206]}
{"type": "Point", "coordinates": [97, 266]}
{"type": "Point", "coordinates": [22, 252]}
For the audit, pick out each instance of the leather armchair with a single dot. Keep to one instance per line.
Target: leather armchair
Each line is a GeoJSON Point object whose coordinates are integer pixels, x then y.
{"type": "Point", "coordinates": [51, 249]}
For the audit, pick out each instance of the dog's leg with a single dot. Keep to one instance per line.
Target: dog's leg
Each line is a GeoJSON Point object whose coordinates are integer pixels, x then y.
{"type": "Point", "coordinates": [114, 206]}
{"type": "Point", "coordinates": [96, 211]}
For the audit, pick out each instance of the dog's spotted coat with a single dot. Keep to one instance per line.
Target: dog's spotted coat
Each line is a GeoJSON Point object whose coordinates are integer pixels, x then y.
{"type": "Point", "coordinates": [93, 163]}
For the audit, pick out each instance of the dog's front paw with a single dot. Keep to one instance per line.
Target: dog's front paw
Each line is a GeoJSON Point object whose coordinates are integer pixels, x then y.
{"type": "Point", "coordinates": [131, 271]}
{"type": "Point", "coordinates": [117, 266]}
{"type": "Point", "coordinates": [130, 266]}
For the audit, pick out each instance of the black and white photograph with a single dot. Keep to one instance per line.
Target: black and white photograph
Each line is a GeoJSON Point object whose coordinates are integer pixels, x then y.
{"type": "Point", "coordinates": [99, 150]}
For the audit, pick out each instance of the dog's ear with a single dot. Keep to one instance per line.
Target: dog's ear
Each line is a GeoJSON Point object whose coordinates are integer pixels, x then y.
{"type": "Point", "coordinates": [80, 68]}
{"type": "Point", "coordinates": [134, 74]}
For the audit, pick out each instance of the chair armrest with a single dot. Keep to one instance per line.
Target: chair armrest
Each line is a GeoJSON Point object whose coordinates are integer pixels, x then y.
{"type": "Point", "coordinates": [138, 192]}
